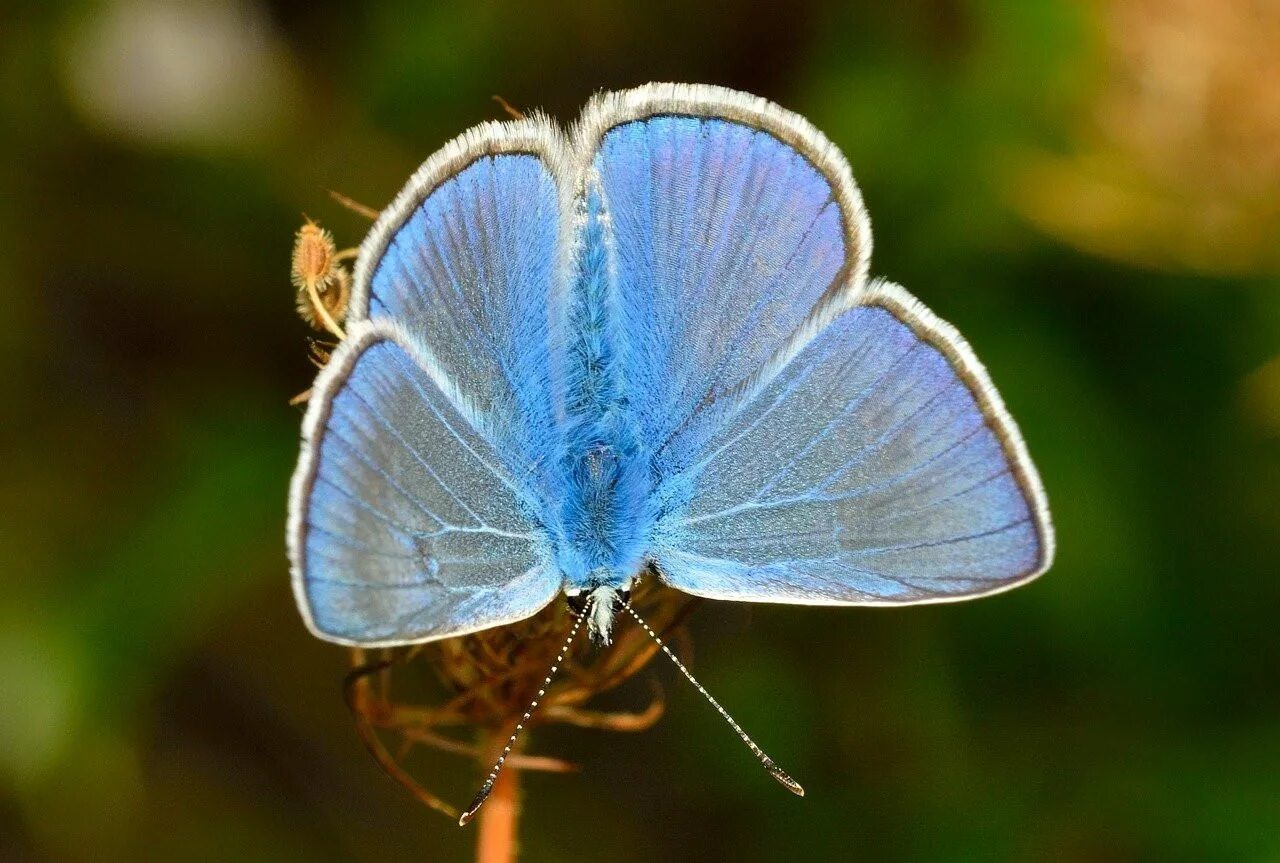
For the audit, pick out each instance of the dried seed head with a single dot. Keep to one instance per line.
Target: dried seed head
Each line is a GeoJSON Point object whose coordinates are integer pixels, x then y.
{"type": "Point", "coordinates": [490, 677]}
{"type": "Point", "coordinates": [496, 671]}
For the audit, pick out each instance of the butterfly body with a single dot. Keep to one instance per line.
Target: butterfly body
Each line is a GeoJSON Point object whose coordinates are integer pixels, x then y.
{"type": "Point", "coordinates": [648, 344]}
{"type": "Point", "coordinates": [605, 512]}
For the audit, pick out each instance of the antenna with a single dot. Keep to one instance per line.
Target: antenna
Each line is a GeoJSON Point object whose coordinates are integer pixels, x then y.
{"type": "Point", "coordinates": [774, 770]}
{"type": "Point", "coordinates": [487, 788]}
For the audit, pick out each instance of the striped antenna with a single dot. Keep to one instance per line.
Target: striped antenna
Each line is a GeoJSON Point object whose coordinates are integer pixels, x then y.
{"type": "Point", "coordinates": [487, 788]}
{"type": "Point", "coordinates": [774, 770]}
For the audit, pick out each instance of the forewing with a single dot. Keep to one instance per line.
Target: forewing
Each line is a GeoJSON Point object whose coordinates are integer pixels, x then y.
{"type": "Point", "coordinates": [729, 220]}
{"type": "Point", "coordinates": [465, 261]}
{"type": "Point", "coordinates": [404, 524]}
{"type": "Point", "coordinates": [878, 467]}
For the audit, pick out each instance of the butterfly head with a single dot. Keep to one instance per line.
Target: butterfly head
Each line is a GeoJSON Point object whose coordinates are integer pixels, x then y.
{"type": "Point", "coordinates": [598, 606]}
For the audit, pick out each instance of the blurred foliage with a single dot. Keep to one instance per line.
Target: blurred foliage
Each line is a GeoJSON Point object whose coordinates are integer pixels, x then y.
{"type": "Point", "coordinates": [1089, 191]}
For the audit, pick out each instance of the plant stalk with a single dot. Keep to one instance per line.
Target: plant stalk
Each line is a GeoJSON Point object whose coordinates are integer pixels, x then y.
{"type": "Point", "coordinates": [499, 820]}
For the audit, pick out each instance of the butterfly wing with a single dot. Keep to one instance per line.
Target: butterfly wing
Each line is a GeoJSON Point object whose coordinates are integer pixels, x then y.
{"type": "Point", "coordinates": [814, 440]}
{"type": "Point", "coordinates": [415, 510]}
{"type": "Point", "coordinates": [730, 219]}
{"type": "Point", "coordinates": [466, 261]}
{"type": "Point", "coordinates": [405, 525]}
{"type": "Point", "coordinates": [878, 467]}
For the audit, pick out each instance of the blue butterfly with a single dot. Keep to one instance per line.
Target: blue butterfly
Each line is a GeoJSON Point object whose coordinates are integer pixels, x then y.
{"type": "Point", "coordinates": [649, 344]}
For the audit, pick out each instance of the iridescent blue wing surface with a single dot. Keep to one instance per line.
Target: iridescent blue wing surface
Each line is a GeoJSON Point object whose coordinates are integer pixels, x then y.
{"type": "Point", "coordinates": [729, 220]}
{"type": "Point", "coordinates": [406, 526]}
{"type": "Point", "coordinates": [418, 502]}
{"type": "Point", "coordinates": [878, 466]}
{"type": "Point", "coordinates": [811, 439]}
{"type": "Point", "coordinates": [466, 260]}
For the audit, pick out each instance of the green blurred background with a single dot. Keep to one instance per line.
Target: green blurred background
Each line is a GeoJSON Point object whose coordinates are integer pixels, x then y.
{"type": "Point", "coordinates": [1089, 191]}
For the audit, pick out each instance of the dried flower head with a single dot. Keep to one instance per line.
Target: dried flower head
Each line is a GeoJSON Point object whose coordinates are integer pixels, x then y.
{"type": "Point", "coordinates": [492, 676]}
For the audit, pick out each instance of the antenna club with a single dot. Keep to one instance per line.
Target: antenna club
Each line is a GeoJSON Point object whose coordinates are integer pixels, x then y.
{"type": "Point", "coordinates": [481, 796]}
{"type": "Point", "coordinates": [783, 777]}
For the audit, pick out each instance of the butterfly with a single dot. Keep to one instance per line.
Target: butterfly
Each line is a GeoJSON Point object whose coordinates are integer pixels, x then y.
{"type": "Point", "coordinates": [648, 344]}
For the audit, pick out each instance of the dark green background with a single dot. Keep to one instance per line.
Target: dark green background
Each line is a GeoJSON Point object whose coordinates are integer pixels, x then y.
{"type": "Point", "coordinates": [159, 696]}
